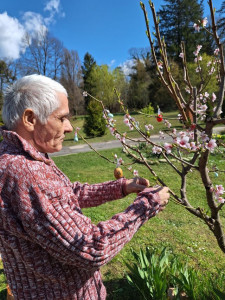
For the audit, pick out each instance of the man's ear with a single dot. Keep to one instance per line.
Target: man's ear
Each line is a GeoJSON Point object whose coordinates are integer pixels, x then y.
{"type": "Point", "coordinates": [29, 119]}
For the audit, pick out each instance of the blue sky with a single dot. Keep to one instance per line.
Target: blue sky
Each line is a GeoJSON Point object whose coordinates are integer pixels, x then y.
{"type": "Point", "coordinates": [105, 29]}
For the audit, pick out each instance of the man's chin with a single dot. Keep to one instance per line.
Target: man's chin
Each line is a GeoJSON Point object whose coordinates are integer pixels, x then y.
{"type": "Point", "coordinates": [55, 149]}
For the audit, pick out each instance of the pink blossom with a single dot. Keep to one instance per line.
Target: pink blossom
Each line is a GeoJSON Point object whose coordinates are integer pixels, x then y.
{"type": "Point", "coordinates": [161, 135]}
{"type": "Point", "coordinates": [211, 145]}
{"type": "Point", "coordinates": [204, 136]}
{"type": "Point", "coordinates": [206, 94]}
{"type": "Point", "coordinates": [204, 22]}
{"type": "Point", "coordinates": [135, 173]}
{"type": "Point", "coordinates": [183, 142]}
{"type": "Point", "coordinates": [212, 70]}
{"type": "Point", "coordinates": [199, 47]}
{"type": "Point", "coordinates": [112, 130]}
{"type": "Point", "coordinates": [181, 55]}
{"type": "Point", "coordinates": [156, 150]}
{"type": "Point", "coordinates": [126, 121]}
{"type": "Point", "coordinates": [221, 200]}
{"type": "Point", "coordinates": [117, 136]}
{"type": "Point", "coordinates": [209, 63]}
{"type": "Point", "coordinates": [168, 147]}
{"type": "Point", "coordinates": [216, 51]}
{"type": "Point", "coordinates": [149, 127]}
{"type": "Point", "coordinates": [220, 189]}
{"type": "Point", "coordinates": [202, 108]}
{"type": "Point", "coordinates": [85, 94]}
{"type": "Point", "coordinates": [167, 124]}
{"type": "Point", "coordinates": [160, 64]}
{"type": "Point", "coordinates": [196, 27]}
{"type": "Point", "coordinates": [193, 146]}
{"type": "Point", "coordinates": [198, 69]}
{"type": "Point", "coordinates": [120, 161]}
{"type": "Point", "coordinates": [213, 97]}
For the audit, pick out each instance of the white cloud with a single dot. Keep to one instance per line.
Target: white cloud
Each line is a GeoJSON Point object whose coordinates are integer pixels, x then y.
{"type": "Point", "coordinates": [33, 23]}
{"type": "Point", "coordinates": [112, 62]}
{"type": "Point", "coordinates": [11, 37]}
{"type": "Point", "coordinates": [52, 5]}
{"type": "Point", "coordinates": [127, 67]}
{"type": "Point", "coordinates": [12, 31]}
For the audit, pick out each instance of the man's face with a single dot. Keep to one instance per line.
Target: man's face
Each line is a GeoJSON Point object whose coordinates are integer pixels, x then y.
{"type": "Point", "coordinates": [48, 138]}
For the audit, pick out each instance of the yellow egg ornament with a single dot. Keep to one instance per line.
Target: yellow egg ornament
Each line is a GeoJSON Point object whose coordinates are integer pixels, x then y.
{"type": "Point", "coordinates": [118, 173]}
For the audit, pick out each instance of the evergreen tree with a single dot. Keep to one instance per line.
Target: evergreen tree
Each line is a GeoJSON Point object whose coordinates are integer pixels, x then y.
{"type": "Point", "coordinates": [138, 93]}
{"type": "Point", "coordinates": [94, 124]}
{"type": "Point", "coordinates": [176, 19]}
{"type": "Point", "coordinates": [221, 22]}
{"type": "Point", "coordinates": [88, 65]}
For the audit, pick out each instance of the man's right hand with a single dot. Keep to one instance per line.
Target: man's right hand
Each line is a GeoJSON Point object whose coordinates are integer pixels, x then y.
{"type": "Point", "coordinates": [164, 197]}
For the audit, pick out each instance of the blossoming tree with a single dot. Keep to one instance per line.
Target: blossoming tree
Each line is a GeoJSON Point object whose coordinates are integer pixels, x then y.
{"type": "Point", "coordinates": [200, 112]}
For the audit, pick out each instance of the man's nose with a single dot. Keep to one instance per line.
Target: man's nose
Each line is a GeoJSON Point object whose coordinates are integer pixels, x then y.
{"type": "Point", "coordinates": [68, 127]}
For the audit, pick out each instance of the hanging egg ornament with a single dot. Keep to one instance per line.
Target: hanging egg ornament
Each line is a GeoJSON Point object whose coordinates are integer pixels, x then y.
{"type": "Point", "coordinates": [159, 118]}
{"type": "Point", "coordinates": [75, 137]}
{"type": "Point", "coordinates": [118, 173]}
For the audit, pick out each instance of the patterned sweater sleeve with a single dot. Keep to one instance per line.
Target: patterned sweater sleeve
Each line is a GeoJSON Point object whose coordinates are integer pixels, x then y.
{"type": "Point", "coordinates": [97, 194]}
{"type": "Point", "coordinates": [65, 233]}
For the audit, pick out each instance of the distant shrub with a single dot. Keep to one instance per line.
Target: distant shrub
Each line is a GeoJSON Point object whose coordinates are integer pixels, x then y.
{"type": "Point", "coordinates": [149, 110]}
{"type": "Point", "coordinates": [94, 124]}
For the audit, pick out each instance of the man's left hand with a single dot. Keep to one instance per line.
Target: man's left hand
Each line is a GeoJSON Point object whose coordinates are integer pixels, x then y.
{"type": "Point", "coordinates": [136, 185]}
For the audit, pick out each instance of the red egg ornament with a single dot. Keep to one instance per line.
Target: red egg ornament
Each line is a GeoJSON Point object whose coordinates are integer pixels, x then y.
{"type": "Point", "coordinates": [159, 118]}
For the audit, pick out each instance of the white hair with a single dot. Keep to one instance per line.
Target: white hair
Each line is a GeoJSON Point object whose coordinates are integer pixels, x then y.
{"type": "Point", "coordinates": [36, 92]}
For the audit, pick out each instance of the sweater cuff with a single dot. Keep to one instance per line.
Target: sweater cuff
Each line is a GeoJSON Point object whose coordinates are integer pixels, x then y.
{"type": "Point", "coordinates": [152, 194]}
{"type": "Point", "coordinates": [124, 184]}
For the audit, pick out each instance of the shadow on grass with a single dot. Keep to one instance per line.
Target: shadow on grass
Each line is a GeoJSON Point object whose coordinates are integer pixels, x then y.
{"type": "Point", "coordinates": [121, 290]}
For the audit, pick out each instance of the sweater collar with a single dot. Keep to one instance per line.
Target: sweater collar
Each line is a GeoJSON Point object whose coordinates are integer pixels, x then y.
{"type": "Point", "coordinates": [13, 139]}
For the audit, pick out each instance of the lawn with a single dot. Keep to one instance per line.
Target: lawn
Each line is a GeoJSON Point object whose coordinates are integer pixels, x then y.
{"type": "Point", "coordinates": [184, 234]}
{"type": "Point", "coordinates": [121, 127]}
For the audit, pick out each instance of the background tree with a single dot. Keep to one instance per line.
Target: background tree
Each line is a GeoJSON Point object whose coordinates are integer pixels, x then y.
{"type": "Point", "coordinates": [43, 55]}
{"type": "Point", "coordinates": [94, 124]}
{"type": "Point", "coordinates": [221, 21]}
{"type": "Point", "coordinates": [176, 25]}
{"type": "Point", "coordinates": [6, 76]}
{"type": "Point", "coordinates": [122, 85]}
{"type": "Point", "coordinates": [88, 64]}
{"type": "Point", "coordinates": [71, 79]}
{"type": "Point", "coordinates": [138, 93]}
{"type": "Point", "coordinates": [103, 84]}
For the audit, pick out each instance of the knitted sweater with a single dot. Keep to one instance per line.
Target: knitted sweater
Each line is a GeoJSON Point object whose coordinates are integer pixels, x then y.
{"type": "Point", "coordinates": [50, 250]}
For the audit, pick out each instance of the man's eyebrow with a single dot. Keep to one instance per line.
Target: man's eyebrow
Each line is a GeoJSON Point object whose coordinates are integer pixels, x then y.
{"type": "Point", "coordinates": [66, 115]}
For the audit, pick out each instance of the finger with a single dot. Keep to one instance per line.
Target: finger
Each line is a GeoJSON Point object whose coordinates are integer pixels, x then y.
{"type": "Point", "coordinates": [140, 187]}
{"type": "Point", "coordinates": [143, 181]}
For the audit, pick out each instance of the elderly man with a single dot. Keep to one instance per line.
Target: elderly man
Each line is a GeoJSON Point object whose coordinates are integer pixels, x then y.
{"type": "Point", "coordinates": [50, 250]}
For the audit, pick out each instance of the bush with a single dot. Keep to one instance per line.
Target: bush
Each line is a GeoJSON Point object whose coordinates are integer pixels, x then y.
{"type": "Point", "coordinates": [94, 124]}
{"type": "Point", "coordinates": [149, 110]}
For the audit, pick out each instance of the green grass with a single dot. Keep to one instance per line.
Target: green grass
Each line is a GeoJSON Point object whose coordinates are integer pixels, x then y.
{"type": "Point", "coordinates": [121, 127]}
{"type": "Point", "coordinates": [176, 228]}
